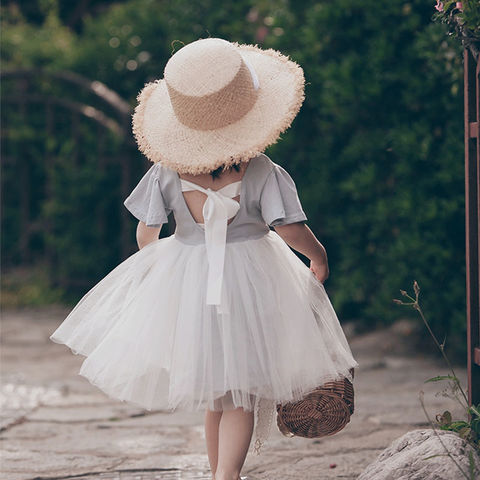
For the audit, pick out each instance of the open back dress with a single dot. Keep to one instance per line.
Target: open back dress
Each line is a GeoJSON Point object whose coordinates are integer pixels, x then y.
{"type": "Point", "coordinates": [217, 315]}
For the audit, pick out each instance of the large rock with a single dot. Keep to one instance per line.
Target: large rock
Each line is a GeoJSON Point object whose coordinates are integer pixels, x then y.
{"type": "Point", "coordinates": [405, 458]}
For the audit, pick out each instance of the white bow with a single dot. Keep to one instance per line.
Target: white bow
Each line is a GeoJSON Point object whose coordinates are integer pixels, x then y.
{"type": "Point", "coordinates": [218, 208]}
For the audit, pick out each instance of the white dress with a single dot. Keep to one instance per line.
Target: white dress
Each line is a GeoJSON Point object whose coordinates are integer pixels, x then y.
{"type": "Point", "coordinates": [214, 316]}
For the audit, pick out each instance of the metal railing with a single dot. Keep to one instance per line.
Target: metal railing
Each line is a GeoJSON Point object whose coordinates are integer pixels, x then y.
{"type": "Point", "coordinates": [61, 107]}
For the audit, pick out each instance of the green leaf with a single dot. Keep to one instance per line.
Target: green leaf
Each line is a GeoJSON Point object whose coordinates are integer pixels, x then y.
{"type": "Point", "coordinates": [459, 425]}
{"type": "Point", "coordinates": [475, 410]}
{"type": "Point", "coordinates": [441, 377]}
{"type": "Point", "coordinates": [445, 418]}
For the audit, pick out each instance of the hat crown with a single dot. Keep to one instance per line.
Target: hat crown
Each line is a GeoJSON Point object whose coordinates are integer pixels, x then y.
{"type": "Point", "coordinates": [203, 67]}
{"type": "Point", "coordinates": [210, 84]}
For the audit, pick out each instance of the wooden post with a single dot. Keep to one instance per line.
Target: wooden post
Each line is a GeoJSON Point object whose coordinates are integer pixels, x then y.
{"type": "Point", "coordinates": [472, 228]}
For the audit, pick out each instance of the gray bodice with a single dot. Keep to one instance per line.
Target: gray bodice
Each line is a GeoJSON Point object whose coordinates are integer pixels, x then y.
{"type": "Point", "coordinates": [268, 196]}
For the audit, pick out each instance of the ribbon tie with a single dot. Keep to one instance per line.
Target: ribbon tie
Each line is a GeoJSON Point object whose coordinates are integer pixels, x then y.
{"type": "Point", "coordinates": [218, 208]}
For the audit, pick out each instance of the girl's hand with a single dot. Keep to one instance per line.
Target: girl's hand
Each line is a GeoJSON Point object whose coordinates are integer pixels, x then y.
{"type": "Point", "coordinates": [320, 270]}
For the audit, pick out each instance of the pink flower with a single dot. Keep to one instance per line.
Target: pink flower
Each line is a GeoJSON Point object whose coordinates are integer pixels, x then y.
{"type": "Point", "coordinates": [439, 6]}
{"type": "Point", "coordinates": [459, 5]}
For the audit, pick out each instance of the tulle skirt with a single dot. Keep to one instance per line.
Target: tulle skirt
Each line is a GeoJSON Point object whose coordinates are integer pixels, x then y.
{"type": "Point", "coordinates": [150, 339]}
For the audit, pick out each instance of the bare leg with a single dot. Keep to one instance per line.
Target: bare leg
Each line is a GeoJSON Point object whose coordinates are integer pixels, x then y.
{"type": "Point", "coordinates": [212, 422]}
{"type": "Point", "coordinates": [235, 434]}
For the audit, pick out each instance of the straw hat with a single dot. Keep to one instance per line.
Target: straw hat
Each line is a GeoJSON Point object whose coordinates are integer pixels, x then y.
{"type": "Point", "coordinates": [219, 103]}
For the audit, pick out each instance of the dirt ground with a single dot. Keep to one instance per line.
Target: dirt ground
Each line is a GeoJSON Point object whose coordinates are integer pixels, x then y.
{"type": "Point", "coordinates": [56, 425]}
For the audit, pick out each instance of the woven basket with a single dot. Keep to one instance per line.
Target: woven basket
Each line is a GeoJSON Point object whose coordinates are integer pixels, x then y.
{"type": "Point", "coordinates": [324, 411]}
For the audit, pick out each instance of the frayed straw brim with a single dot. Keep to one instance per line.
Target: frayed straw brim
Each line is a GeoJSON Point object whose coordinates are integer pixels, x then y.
{"type": "Point", "coordinates": [162, 138]}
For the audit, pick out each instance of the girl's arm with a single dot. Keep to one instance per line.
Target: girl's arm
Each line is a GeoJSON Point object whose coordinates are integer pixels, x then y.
{"type": "Point", "coordinates": [146, 235]}
{"type": "Point", "coordinates": [301, 238]}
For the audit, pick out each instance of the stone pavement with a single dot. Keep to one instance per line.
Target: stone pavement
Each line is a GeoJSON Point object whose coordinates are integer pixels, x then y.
{"type": "Point", "coordinates": [55, 425]}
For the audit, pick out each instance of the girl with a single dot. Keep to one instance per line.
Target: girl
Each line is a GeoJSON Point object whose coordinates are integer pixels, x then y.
{"type": "Point", "coordinates": [221, 315]}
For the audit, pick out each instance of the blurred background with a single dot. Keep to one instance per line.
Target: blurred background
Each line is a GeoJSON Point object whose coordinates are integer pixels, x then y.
{"type": "Point", "coordinates": [376, 150]}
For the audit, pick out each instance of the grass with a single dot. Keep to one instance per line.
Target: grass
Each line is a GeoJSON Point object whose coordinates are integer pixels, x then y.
{"type": "Point", "coordinates": [22, 287]}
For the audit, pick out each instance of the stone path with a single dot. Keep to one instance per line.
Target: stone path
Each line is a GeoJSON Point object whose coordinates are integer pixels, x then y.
{"type": "Point", "coordinates": [55, 425]}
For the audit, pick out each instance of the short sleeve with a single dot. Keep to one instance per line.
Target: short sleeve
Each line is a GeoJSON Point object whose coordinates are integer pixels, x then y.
{"type": "Point", "coordinates": [146, 201]}
{"type": "Point", "coordinates": [279, 200]}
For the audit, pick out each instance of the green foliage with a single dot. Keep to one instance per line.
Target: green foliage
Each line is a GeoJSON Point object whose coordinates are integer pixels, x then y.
{"type": "Point", "coordinates": [28, 287]}
{"type": "Point", "coordinates": [25, 45]}
{"type": "Point", "coordinates": [68, 220]}
{"type": "Point", "coordinates": [462, 20]}
{"type": "Point", "coordinates": [470, 431]}
{"type": "Point", "coordinates": [385, 140]}
{"type": "Point", "coordinates": [376, 151]}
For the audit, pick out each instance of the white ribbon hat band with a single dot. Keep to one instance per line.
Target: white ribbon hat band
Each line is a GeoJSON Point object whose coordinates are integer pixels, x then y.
{"type": "Point", "coordinates": [252, 73]}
